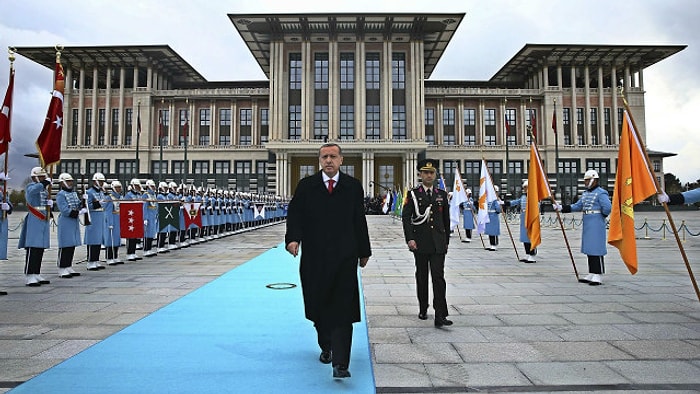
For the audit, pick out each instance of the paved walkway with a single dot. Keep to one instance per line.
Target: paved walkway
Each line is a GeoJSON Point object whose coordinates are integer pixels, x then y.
{"type": "Point", "coordinates": [518, 327]}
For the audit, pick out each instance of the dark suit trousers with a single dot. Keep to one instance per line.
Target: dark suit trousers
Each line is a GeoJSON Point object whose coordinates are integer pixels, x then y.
{"type": "Point", "coordinates": [436, 264]}
{"type": "Point", "coordinates": [338, 340]}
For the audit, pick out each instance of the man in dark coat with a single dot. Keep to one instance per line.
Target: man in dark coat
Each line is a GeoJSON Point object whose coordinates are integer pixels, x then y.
{"type": "Point", "coordinates": [326, 216]}
{"type": "Point", "coordinates": [426, 228]}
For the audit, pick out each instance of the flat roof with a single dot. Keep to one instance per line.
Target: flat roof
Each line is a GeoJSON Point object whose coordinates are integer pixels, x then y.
{"type": "Point", "coordinates": [538, 55]}
{"type": "Point", "coordinates": [122, 55]}
{"type": "Point", "coordinates": [259, 30]}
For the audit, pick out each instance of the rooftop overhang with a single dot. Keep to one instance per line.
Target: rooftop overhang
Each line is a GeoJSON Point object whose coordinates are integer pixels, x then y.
{"type": "Point", "coordinates": [435, 30]}
{"type": "Point", "coordinates": [164, 58]}
{"type": "Point", "coordinates": [534, 56]}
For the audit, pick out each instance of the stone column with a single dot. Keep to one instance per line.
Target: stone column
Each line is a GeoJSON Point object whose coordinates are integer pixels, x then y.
{"type": "Point", "coordinates": [360, 96]}
{"type": "Point", "coordinates": [93, 130]}
{"type": "Point", "coordinates": [587, 104]}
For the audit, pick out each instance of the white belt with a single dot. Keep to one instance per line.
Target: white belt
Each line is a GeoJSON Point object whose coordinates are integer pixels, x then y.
{"type": "Point", "coordinates": [591, 211]}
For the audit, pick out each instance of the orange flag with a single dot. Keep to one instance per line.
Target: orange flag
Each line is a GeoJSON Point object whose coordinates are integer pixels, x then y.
{"type": "Point", "coordinates": [633, 184]}
{"type": "Point", "coordinates": [537, 190]}
{"type": "Point", "coordinates": [49, 141]}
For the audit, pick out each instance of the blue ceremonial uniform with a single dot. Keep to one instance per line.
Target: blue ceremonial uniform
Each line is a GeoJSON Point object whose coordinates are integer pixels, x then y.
{"type": "Point", "coordinates": [595, 205]}
{"type": "Point", "coordinates": [94, 233]}
{"type": "Point", "coordinates": [112, 237]}
{"type": "Point", "coordinates": [468, 214]}
{"type": "Point", "coordinates": [522, 203]}
{"type": "Point", "coordinates": [68, 204]}
{"type": "Point", "coordinates": [691, 196]}
{"type": "Point", "coordinates": [35, 231]}
{"type": "Point", "coordinates": [150, 213]}
{"type": "Point", "coordinates": [493, 227]}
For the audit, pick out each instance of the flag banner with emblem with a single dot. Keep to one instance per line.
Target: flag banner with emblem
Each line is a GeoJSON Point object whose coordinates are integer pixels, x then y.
{"type": "Point", "coordinates": [131, 219]}
{"type": "Point", "coordinates": [487, 195]}
{"type": "Point", "coordinates": [537, 190]}
{"type": "Point", "coordinates": [633, 184]}
{"type": "Point", "coordinates": [459, 195]}
{"type": "Point", "coordinates": [168, 215]}
{"type": "Point", "coordinates": [192, 214]}
{"type": "Point", "coordinates": [386, 203]}
{"type": "Point", "coordinates": [49, 141]}
{"type": "Point", "coordinates": [5, 115]}
{"type": "Point", "coordinates": [259, 211]}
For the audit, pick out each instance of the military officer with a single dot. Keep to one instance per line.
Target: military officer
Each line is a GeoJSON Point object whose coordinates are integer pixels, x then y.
{"type": "Point", "coordinates": [94, 232]}
{"type": "Point", "coordinates": [133, 194]}
{"type": "Point", "coordinates": [468, 216]}
{"type": "Point", "coordinates": [69, 205]}
{"type": "Point", "coordinates": [426, 228]}
{"type": "Point", "coordinates": [596, 206]}
{"type": "Point", "coordinates": [34, 236]}
{"type": "Point", "coordinates": [150, 218]}
{"type": "Point", "coordinates": [493, 227]}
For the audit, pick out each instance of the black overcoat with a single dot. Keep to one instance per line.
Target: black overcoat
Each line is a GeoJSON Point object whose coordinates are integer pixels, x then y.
{"type": "Point", "coordinates": [433, 236]}
{"type": "Point", "coordinates": [332, 232]}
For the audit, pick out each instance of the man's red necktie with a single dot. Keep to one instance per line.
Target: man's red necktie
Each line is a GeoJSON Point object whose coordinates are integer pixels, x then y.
{"type": "Point", "coordinates": [330, 186]}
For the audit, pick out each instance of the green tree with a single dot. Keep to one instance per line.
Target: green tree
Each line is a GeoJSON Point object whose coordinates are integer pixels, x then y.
{"type": "Point", "coordinates": [673, 184]}
{"type": "Point", "coordinates": [17, 197]}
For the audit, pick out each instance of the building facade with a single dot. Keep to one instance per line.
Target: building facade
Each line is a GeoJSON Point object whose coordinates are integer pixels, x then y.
{"type": "Point", "coordinates": [362, 80]}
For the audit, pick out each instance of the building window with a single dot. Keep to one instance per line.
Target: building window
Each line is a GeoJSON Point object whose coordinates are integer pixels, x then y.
{"type": "Point", "coordinates": [657, 165]}
{"type": "Point", "coordinates": [295, 71]}
{"type": "Point", "coordinates": [163, 127]}
{"type": "Point", "coordinates": [489, 126]}
{"type": "Point", "coordinates": [98, 165]}
{"type": "Point", "coordinates": [448, 126]}
{"type": "Point", "coordinates": [294, 122]}
{"type": "Point", "coordinates": [430, 126]}
{"type": "Point", "coordinates": [264, 125]}
{"type": "Point", "coordinates": [373, 125]}
{"type": "Point", "coordinates": [200, 166]}
{"type": "Point", "coordinates": [321, 122]}
{"type": "Point", "coordinates": [225, 126]}
{"type": "Point", "coordinates": [222, 167]}
{"type": "Point", "coordinates": [347, 71]}
{"type": "Point", "coordinates": [74, 129]}
{"type": "Point", "coordinates": [321, 71]}
{"type": "Point", "coordinates": [607, 126]}
{"type": "Point", "coordinates": [184, 122]}
{"type": "Point", "coordinates": [204, 123]}
{"type": "Point", "coordinates": [470, 126]}
{"type": "Point", "coordinates": [261, 173]}
{"type": "Point", "coordinates": [580, 130]}
{"type": "Point", "coordinates": [70, 166]}
{"type": "Point", "coordinates": [159, 167]}
{"type": "Point", "coordinates": [88, 127]}
{"type": "Point", "coordinates": [567, 126]}
{"type": "Point", "coordinates": [178, 167]}
{"type": "Point", "coordinates": [101, 120]}
{"type": "Point", "coordinates": [114, 130]}
{"type": "Point", "coordinates": [246, 124]}
{"type": "Point", "coordinates": [398, 122]}
{"type": "Point", "coordinates": [472, 173]}
{"type": "Point", "coordinates": [129, 125]}
{"type": "Point", "coordinates": [347, 122]}
{"type": "Point", "coordinates": [243, 167]}
{"type": "Point", "coordinates": [372, 71]}
{"type": "Point", "coordinates": [449, 169]}
{"type": "Point", "coordinates": [567, 167]}
{"type": "Point", "coordinates": [126, 167]}
{"type": "Point", "coordinates": [398, 70]}
{"type": "Point", "coordinates": [531, 124]}
{"type": "Point", "coordinates": [594, 127]}
{"type": "Point", "coordinates": [511, 129]}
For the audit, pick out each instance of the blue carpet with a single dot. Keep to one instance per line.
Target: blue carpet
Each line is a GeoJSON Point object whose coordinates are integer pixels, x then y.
{"type": "Point", "coordinates": [233, 335]}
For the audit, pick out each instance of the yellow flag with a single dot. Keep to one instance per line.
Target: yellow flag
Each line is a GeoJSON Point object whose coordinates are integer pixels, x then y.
{"type": "Point", "coordinates": [537, 190]}
{"type": "Point", "coordinates": [633, 184]}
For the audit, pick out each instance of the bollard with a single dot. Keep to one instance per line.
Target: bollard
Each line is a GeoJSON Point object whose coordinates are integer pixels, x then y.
{"type": "Point", "coordinates": [663, 227]}
{"type": "Point", "coordinates": [682, 226]}
{"type": "Point", "coordinates": [646, 229]}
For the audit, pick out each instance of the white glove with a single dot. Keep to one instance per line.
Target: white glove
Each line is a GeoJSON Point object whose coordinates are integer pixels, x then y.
{"type": "Point", "coordinates": [85, 196]}
{"type": "Point", "coordinates": [501, 202]}
{"type": "Point", "coordinates": [82, 211]}
{"type": "Point", "coordinates": [662, 197]}
{"type": "Point", "coordinates": [5, 206]}
{"type": "Point", "coordinates": [49, 179]}
{"type": "Point", "coordinates": [49, 203]}
{"type": "Point", "coordinates": [557, 207]}
{"type": "Point", "coordinates": [110, 227]}
{"type": "Point", "coordinates": [145, 222]}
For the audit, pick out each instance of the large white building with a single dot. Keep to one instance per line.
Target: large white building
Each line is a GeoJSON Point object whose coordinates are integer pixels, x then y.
{"type": "Point", "coordinates": [362, 80]}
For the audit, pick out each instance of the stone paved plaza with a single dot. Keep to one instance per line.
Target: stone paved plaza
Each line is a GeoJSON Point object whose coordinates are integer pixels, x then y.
{"type": "Point", "coordinates": [518, 327]}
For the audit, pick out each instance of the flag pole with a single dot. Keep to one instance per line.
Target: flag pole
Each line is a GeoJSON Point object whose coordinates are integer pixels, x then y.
{"type": "Point", "coordinates": [11, 57]}
{"type": "Point", "coordinates": [59, 48]}
{"type": "Point", "coordinates": [186, 133]}
{"type": "Point", "coordinates": [561, 222]}
{"type": "Point", "coordinates": [138, 135]}
{"type": "Point", "coordinates": [658, 188]}
{"type": "Point", "coordinates": [505, 219]}
{"type": "Point", "coordinates": [556, 143]}
{"type": "Point", "coordinates": [160, 141]}
{"type": "Point", "coordinates": [506, 126]}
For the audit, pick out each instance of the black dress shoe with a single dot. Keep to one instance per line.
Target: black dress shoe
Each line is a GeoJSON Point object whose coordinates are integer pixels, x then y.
{"type": "Point", "coordinates": [423, 315]}
{"type": "Point", "coordinates": [340, 372]}
{"type": "Point", "coordinates": [326, 357]}
{"type": "Point", "coordinates": [2, 293]}
{"type": "Point", "coordinates": [442, 321]}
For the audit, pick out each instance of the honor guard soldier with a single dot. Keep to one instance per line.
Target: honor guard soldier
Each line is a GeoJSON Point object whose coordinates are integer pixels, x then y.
{"type": "Point", "coordinates": [69, 206]}
{"type": "Point", "coordinates": [133, 194]}
{"type": "Point", "coordinates": [34, 236]}
{"type": "Point", "coordinates": [596, 206]}
{"type": "Point", "coordinates": [426, 228]}
{"type": "Point", "coordinates": [468, 216]}
{"type": "Point", "coordinates": [493, 227]}
{"type": "Point", "coordinates": [94, 232]}
{"type": "Point", "coordinates": [173, 242]}
{"type": "Point", "coordinates": [150, 218]}
{"type": "Point", "coordinates": [112, 230]}
{"type": "Point", "coordinates": [522, 203]}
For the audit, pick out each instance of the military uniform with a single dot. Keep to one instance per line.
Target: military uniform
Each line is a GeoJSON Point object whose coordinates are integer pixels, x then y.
{"type": "Point", "coordinates": [69, 206]}
{"type": "Point", "coordinates": [468, 216]}
{"type": "Point", "coordinates": [112, 229]}
{"type": "Point", "coordinates": [94, 232]}
{"type": "Point", "coordinates": [426, 220]}
{"type": "Point", "coordinates": [34, 236]}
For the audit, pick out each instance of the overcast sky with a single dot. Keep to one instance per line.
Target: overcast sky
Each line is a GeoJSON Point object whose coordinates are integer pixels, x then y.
{"type": "Point", "coordinates": [490, 34]}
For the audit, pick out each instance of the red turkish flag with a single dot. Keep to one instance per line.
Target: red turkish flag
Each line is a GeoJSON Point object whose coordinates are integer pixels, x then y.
{"type": "Point", "coordinates": [49, 142]}
{"type": "Point", "coordinates": [5, 113]}
{"type": "Point", "coordinates": [192, 214]}
{"type": "Point", "coordinates": [131, 219]}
